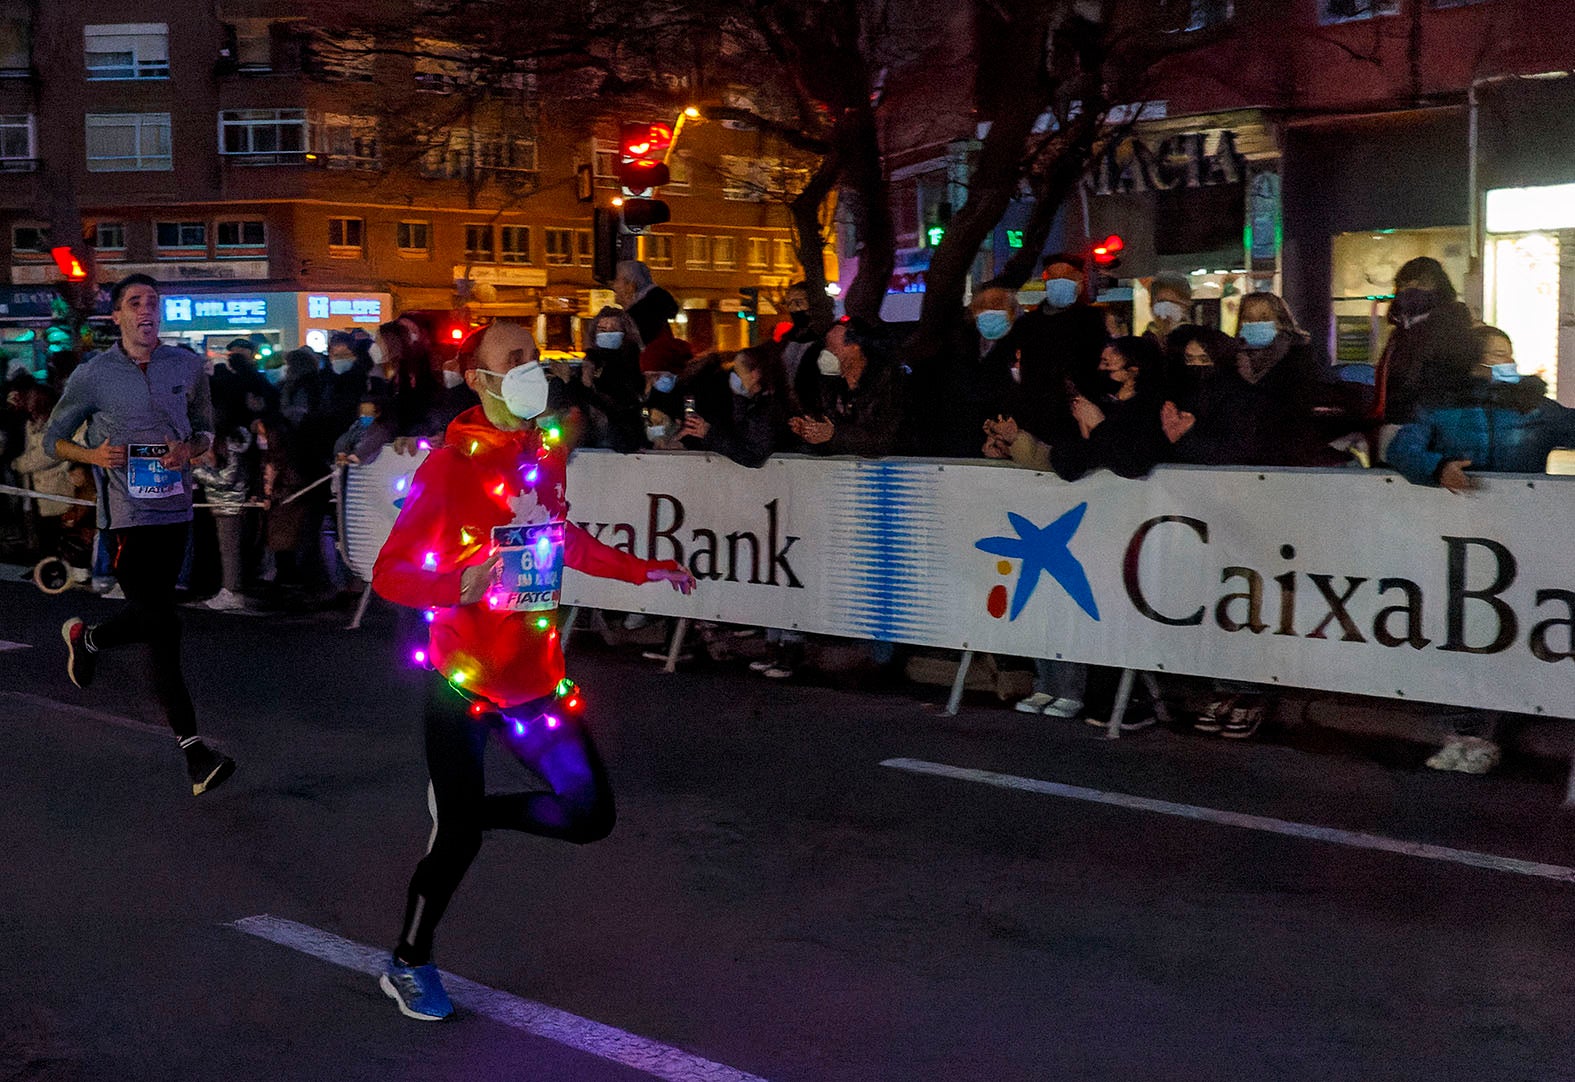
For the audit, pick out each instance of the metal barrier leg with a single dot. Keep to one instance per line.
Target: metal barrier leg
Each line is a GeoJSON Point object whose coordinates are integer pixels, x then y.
{"type": "Point", "coordinates": [360, 609]}
{"type": "Point", "coordinates": [1161, 711]}
{"type": "Point", "coordinates": [955, 702]}
{"type": "Point", "coordinates": [1569, 790]}
{"type": "Point", "coordinates": [1119, 710]}
{"type": "Point", "coordinates": [677, 647]}
{"type": "Point", "coordinates": [568, 627]}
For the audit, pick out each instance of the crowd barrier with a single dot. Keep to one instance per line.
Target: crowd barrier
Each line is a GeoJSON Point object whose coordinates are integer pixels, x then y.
{"type": "Point", "coordinates": [1343, 580]}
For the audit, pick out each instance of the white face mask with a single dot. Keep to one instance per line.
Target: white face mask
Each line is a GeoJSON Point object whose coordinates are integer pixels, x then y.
{"type": "Point", "coordinates": [524, 390]}
{"type": "Point", "coordinates": [452, 379]}
{"type": "Point", "coordinates": [377, 353]}
{"type": "Point", "coordinates": [828, 364]}
{"type": "Point", "coordinates": [1169, 312]}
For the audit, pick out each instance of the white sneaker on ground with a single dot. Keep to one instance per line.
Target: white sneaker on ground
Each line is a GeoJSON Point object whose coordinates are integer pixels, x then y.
{"type": "Point", "coordinates": [1064, 708]}
{"type": "Point", "coordinates": [225, 601]}
{"type": "Point", "coordinates": [1466, 755]}
{"type": "Point", "coordinates": [1035, 703]}
{"type": "Point", "coordinates": [116, 593]}
{"type": "Point", "coordinates": [762, 665]}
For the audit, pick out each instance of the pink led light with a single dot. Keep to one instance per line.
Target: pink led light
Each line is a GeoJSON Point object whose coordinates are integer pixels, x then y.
{"type": "Point", "coordinates": [552, 721]}
{"type": "Point", "coordinates": [424, 445]}
{"type": "Point", "coordinates": [419, 657]}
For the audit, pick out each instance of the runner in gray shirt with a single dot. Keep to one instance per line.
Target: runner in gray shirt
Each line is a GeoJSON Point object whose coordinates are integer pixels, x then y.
{"type": "Point", "coordinates": [148, 414]}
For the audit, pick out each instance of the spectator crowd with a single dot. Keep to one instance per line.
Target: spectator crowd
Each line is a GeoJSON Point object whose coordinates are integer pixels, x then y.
{"type": "Point", "coordinates": [1060, 387]}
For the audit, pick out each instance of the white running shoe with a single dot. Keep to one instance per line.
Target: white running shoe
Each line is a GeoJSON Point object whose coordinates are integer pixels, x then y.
{"type": "Point", "coordinates": [1035, 703]}
{"type": "Point", "coordinates": [225, 601]}
{"type": "Point", "coordinates": [1063, 708]}
{"type": "Point", "coordinates": [1466, 755]}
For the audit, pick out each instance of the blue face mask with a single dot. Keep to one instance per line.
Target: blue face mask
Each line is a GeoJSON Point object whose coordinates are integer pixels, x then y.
{"type": "Point", "coordinates": [609, 339]}
{"type": "Point", "coordinates": [365, 420]}
{"type": "Point", "coordinates": [1505, 373]}
{"type": "Point", "coordinates": [735, 381]}
{"type": "Point", "coordinates": [341, 365]}
{"type": "Point", "coordinates": [993, 324]}
{"type": "Point", "coordinates": [1060, 292]}
{"type": "Point", "coordinates": [1259, 333]}
{"type": "Point", "coordinates": [666, 382]}
{"type": "Point", "coordinates": [275, 376]}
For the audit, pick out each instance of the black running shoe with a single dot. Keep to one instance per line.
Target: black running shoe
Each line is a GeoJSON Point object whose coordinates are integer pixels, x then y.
{"type": "Point", "coordinates": [207, 768]}
{"type": "Point", "coordinates": [80, 661]}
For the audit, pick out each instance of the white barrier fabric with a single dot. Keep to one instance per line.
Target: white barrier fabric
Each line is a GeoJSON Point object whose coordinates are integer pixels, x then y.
{"type": "Point", "coordinates": [1345, 580]}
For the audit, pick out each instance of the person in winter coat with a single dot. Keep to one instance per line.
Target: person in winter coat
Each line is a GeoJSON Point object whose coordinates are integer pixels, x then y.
{"type": "Point", "coordinates": [608, 386]}
{"type": "Point", "coordinates": [1498, 423]}
{"type": "Point", "coordinates": [365, 439]}
{"type": "Point", "coordinates": [757, 423]}
{"type": "Point", "coordinates": [1430, 353]}
{"type": "Point", "coordinates": [228, 485]}
{"type": "Point", "coordinates": [495, 489]}
{"type": "Point", "coordinates": [864, 401]}
{"type": "Point", "coordinates": [1121, 430]}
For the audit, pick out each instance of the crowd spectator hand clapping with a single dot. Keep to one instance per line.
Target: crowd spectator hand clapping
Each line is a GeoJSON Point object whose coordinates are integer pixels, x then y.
{"type": "Point", "coordinates": [1087, 415]}
{"type": "Point", "coordinates": [999, 435]}
{"type": "Point", "coordinates": [695, 426]}
{"type": "Point", "coordinates": [811, 431]}
{"type": "Point", "coordinates": [1176, 422]}
{"type": "Point", "coordinates": [1453, 476]}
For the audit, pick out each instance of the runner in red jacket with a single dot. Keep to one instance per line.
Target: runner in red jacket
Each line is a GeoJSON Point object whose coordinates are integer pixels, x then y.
{"type": "Point", "coordinates": [480, 545]}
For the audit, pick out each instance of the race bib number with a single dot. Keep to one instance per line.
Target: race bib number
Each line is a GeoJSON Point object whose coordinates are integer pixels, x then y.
{"type": "Point", "coordinates": [146, 479]}
{"type": "Point", "coordinates": [530, 578]}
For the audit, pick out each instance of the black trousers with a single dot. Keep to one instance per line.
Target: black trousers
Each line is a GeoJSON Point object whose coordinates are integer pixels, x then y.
{"type": "Point", "coordinates": [554, 744]}
{"type": "Point", "coordinates": [147, 561]}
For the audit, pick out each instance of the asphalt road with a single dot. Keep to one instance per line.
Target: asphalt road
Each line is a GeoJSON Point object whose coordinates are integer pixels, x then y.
{"type": "Point", "coordinates": [773, 901]}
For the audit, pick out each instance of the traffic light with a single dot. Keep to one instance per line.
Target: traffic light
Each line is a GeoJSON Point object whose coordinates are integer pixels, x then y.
{"type": "Point", "coordinates": [749, 312]}
{"type": "Point", "coordinates": [642, 168]}
{"type": "Point", "coordinates": [1107, 253]}
{"type": "Point", "coordinates": [605, 250]}
{"type": "Point", "coordinates": [69, 264]}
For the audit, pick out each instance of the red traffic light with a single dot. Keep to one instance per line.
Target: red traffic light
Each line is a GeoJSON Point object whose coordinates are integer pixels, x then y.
{"type": "Point", "coordinates": [641, 142]}
{"type": "Point", "coordinates": [1109, 250]}
{"type": "Point", "coordinates": [69, 264]}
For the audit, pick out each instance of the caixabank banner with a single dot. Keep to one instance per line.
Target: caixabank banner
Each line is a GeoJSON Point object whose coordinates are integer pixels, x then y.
{"type": "Point", "coordinates": [1345, 580]}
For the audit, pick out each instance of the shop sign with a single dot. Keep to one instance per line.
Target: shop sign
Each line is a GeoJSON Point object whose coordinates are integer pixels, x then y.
{"type": "Point", "coordinates": [230, 311]}
{"type": "Point", "coordinates": [503, 276]}
{"type": "Point", "coordinates": [1200, 159]}
{"type": "Point", "coordinates": [356, 309]}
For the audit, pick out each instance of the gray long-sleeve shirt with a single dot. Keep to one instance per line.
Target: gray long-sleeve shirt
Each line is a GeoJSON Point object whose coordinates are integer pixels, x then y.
{"type": "Point", "coordinates": [127, 405]}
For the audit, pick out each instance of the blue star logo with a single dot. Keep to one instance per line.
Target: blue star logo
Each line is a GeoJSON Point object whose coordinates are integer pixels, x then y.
{"type": "Point", "coordinates": [1044, 551]}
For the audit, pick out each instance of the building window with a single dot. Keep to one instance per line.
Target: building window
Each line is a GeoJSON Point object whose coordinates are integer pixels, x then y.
{"type": "Point", "coordinates": [344, 55]}
{"type": "Point", "coordinates": [560, 247]}
{"type": "Point", "coordinates": [460, 152]}
{"type": "Point", "coordinates": [181, 236]}
{"type": "Point", "coordinates": [242, 234]}
{"type": "Point", "coordinates": [414, 238]}
{"type": "Point", "coordinates": [677, 172]}
{"type": "Point", "coordinates": [347, 142]}
{"type": "Point", "coordinates": [585, 247]}
{"type": "Point", "coordinates": [723, 253]}
{"type": "Point", "coordinates": [123, 142]}
{"type": "Point", "coordinates": [17, 143]}
{"type": "Point", "coordinates": [263, 136]}
{"type": "Point", "coordinates": [1345, 11]}
{"type": "Point", "coordinates": [109, 237]}
{"type": "Point", "coordinates": [757, 252]}
{"type": "Point", "coordinates": [478, 244]}
{"type": "Point", "coordinates": [29, 239]}
{"type": "Point", "coordinates": [516, 243]}
{"type": "Point", "coordinates": [752, 180]}
{"type": "Point", "coordinates": [441, 66]}
{"type": "Point", "coordinates": [657, 251]}
{"type": "Point", "coordinates": [128, 51]}
{"type": "Point", "coordinates": [249, 43]}
{"type": "Point", "coordinates": [16, 40]}
{"type": "Point", "coordinates": [346, 237]}
{"type": "Point", "coordinates": [697, 252]}
{"type": "Point", "coordinates": [784, 259]}
{"type": "Point", "coordinates": [604, 156]}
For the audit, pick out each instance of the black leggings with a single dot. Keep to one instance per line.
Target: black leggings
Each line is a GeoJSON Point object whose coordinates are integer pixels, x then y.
{"type": "Point", "coordinates": [578, 808]}
{"type": "Point", "coordinates": [147, 561]}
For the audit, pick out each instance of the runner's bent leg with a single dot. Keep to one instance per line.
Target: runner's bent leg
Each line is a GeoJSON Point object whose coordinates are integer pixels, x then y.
{"type": "Point", "coordinates": [455, 745]}
{"type": "Point", "coordinates": [147, 560]}
{"type": "Point", "coordinates": [579, 807]}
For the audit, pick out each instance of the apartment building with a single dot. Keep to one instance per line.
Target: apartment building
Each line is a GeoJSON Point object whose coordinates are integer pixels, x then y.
{"type": "Point", "coordinates": [282, 184]}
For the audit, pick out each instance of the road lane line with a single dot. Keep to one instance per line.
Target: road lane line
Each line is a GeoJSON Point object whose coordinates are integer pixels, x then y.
{"type": "Point", "coordinates": [6, 644]}
{"type": "Point", "coordinates": [1489, 861]}
{"type": "Point", "coordinates": [606, 1042]}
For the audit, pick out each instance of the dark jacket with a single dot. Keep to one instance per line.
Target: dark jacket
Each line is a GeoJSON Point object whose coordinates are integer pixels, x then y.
{"type": "Point", "coordinates": [652, 313]}
{"type": "Point", "coordinates": [615, 393]}
{"type": "Point", "coordinates": [1128, 442]}
{"type": "Point", "coordinates": [1055, 345]}
{"type": "Point", "coordinates": [1498, 428]}
{"type": "Point", "coordinates": [1426, 363]}
{"type": "Point", "coordinates": [1269, 422]}
{"type": "Point", "coordinates": [866, 418]}
{"type": "Point", "coordinates": [754, 429]}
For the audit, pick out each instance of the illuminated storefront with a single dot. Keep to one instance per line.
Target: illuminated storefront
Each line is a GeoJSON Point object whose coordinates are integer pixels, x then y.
{"type": "Point", "coordinates": [1525, 230]}
{"type": "Point", "coordinates": [276, 322]}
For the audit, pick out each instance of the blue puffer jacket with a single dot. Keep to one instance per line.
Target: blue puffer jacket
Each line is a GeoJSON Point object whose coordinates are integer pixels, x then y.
{"type": "Point", "coordinates": [1503, 428]}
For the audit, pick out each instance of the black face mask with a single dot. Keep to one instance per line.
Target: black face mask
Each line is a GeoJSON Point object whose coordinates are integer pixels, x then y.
{"type": "Point", "coordinates": [800, 320]}
{"type": "Point", "coordinates": [1412, 303]}
{"type": "Point", "coordinates": [1107, 385]}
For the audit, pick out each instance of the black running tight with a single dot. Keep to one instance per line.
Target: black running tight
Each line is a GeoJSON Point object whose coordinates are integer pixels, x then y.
{"type": "Point", "coordinates": [578, 807]}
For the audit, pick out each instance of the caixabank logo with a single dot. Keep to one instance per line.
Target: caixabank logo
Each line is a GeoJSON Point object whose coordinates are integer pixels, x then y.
{"type": "Point", "coordinates": [1038, 551]}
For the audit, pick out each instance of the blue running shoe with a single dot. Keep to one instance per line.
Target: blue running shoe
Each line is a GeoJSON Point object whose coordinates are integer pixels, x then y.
{"type": "Point", "coordinates": [417, 990]}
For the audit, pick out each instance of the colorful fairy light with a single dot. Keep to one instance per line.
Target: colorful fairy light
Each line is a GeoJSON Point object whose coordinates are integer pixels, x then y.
{"type": "Point", "coordinates": [530, 478]}
{"type": "Point", "coordinates": [476, 710]}
{"type": "Point", "coordinates": [564, 687]}
{"type": "Point", "coordinates": [419, 657]}
{"type": "Point", "coordinates": [458, 677]}
{"type": "Point", "coordinates": [552, 721]}
{"type": "Point", "coordinates": [430, 563]}
{"type": "Point", "coordinates": [574, 702]}
{"type": "Point", "coordinates": [429, 615]}
{"type": "Point", "coordinates": [500, 489]}
{"type": "Point", "coordinates": [424, 445]}
{"type": "Point", "coordinates": [542, 623]}
{"type": "Point", "coordinates": [466, 537]}
{"type": "Point", "coordinates": [400, 485]}
{"type": "Point", "coordinates": [519, 728]}
{"type": "Point", "coordinates": [475, 445]}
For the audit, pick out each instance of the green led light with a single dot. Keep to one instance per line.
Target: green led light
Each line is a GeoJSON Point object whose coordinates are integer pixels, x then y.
{"type": "Point", "coordinates": [458, 678]}
{"type": "Point", "coordinates": [542, 623]}
{"type": "Point", "coordinates": [1014, 238]}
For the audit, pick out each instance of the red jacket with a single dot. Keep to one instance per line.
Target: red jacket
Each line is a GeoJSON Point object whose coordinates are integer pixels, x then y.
{"type": "Point", "coordinates": [484, 477]}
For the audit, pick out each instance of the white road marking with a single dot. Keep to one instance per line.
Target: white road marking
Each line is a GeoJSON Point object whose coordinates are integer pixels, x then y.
{"type": "Point", "coordinates": [7, 645]}
{"type": "Point", "coordinates": [1490, 861]}
{"type": "Point", "coordinates": [652, 1057]}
